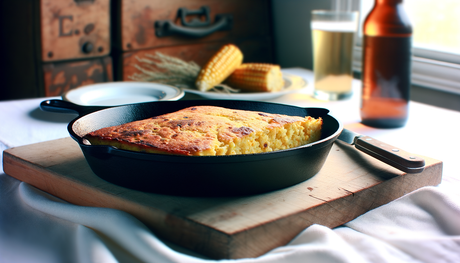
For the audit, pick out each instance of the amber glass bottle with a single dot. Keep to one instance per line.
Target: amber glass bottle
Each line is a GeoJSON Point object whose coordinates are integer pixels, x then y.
{"type": "Point", "coordinates": [386, 64]}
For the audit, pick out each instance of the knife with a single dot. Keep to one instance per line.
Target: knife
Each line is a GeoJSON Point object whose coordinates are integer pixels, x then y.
{"type": "Point", "coordinates": [394, 156]}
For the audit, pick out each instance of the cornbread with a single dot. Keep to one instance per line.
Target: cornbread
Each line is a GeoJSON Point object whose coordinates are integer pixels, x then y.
{"type": "Point", "coordinates": [210, 130]}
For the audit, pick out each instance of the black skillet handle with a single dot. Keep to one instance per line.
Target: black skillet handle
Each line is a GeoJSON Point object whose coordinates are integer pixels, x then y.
{"type": "Point", "coordinates": [62, 106]}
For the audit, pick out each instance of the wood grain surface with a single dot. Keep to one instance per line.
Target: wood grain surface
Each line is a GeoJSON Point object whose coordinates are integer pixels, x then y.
{"type": "Point", "coordinates": [68, 25]}
{"type": "Point", "coordinates": [60, 77]}
{"type": "Point", "coordinates": [350, 184]}
{"type": "Point", "coordinates": [137, 19]}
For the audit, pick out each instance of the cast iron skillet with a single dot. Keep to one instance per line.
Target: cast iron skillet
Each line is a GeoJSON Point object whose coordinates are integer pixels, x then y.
{"type": "Point", "coordinates": [197, 175]}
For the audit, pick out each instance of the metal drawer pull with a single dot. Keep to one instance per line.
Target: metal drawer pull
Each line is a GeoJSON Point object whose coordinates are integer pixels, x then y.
{"type": "Point", "coordinates": [195, 27]}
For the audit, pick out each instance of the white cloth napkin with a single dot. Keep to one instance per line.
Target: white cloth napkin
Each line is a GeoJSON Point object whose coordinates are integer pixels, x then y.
{"type": "Point", "coordinates": [423, 226]}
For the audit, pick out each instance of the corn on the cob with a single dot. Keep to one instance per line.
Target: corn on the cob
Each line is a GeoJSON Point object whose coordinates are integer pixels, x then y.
{"type": "Point", "coordinates": [259, 77]}
{"type": "Point", "coordinates": [219, 67]}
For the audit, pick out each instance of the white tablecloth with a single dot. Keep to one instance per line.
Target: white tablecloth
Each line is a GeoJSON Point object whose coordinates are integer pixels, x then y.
{"type": "Point", "coordinates": [423, 226]}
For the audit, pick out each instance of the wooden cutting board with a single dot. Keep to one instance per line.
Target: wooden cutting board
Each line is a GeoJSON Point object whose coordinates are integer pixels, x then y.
{"type": "Point", "coordinates": [350, 184]}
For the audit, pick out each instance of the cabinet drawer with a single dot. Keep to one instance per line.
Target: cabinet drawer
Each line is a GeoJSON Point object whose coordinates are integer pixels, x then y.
{"type": "Point", "coordinates": [74, 29]}
{"type": "Point", "coordinates": [63, 76]}
{"type": "Point", "coordinates": [247, 19]}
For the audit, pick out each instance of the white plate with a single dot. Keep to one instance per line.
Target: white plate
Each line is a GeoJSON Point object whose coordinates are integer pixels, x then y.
{"type": "Point", "coordinates": [292, 83]}
{"type": "Point", "coordinates": [120, 93]}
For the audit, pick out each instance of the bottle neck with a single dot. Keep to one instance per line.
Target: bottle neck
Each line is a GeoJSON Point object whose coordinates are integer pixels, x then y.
{"type": "Point", "coordinates": [387, 18]}
{"type": "Point", "coordinates": [388, 2]}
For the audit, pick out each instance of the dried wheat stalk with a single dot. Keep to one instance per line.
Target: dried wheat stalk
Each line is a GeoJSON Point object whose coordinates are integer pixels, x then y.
{"type": "Point", "coordinates": [166, 69]}
{"type": "Point", "coordinates": [171, 70]}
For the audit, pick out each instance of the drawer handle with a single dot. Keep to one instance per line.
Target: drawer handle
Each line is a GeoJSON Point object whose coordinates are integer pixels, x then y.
{"type": "Point", "coordinates": [194, 28]}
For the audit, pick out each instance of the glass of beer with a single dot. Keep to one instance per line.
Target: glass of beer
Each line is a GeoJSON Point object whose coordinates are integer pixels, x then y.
{"type": "Point", "coordinates": [333, 34]}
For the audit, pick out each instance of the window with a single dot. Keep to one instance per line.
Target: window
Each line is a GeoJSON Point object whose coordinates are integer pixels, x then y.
{"type": "Point", "coordinates": [436, 42]}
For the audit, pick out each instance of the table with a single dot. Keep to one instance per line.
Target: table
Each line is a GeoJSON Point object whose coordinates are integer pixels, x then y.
{"type": "Point", "coordinates": [420, 227]}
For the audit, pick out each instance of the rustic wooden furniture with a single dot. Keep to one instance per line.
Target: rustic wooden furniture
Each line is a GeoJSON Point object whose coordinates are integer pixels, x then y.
{"type": "Point", "coordinates": [192, 30]}
{"type": "Point", "coordinates": [52, 46]}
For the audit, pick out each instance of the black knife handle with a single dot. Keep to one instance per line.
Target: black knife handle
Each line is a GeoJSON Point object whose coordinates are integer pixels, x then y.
{"type": "Point", "coordinates": [391, 155]}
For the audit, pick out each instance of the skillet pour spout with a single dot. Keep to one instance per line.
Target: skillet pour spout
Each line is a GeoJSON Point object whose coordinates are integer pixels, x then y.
{"type": "Point", "coordinates": [233, 175]}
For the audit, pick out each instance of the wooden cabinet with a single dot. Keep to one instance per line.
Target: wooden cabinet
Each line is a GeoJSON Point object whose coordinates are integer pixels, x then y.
{"type": "Point", "coordinates": [192, 30]}
{"type": "Point", "coordinates": [72, 29]}
{"type": "Point", "coordinates": [61, 77]}
{"type": "Point", "coordinates": [51, 46]}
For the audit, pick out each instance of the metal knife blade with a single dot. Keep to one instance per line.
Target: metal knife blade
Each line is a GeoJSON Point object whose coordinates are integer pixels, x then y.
{"type": "Point", "coordinates": [394, 156]}
{"type": "Point", "coordinates": [348, 136]}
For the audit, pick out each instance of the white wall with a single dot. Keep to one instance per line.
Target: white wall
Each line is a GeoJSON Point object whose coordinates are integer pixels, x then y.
{"type": "Point", "coordinates": [292, 31]}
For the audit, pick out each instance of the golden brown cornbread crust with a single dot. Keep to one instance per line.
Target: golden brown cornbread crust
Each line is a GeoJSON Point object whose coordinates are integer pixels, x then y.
{"type": "Point", "coordinates": [210, 130]}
